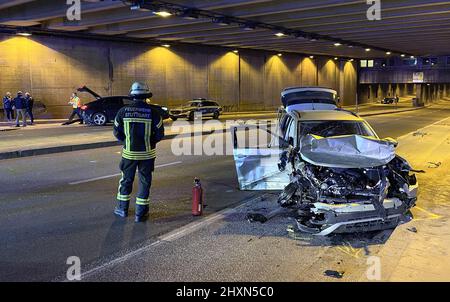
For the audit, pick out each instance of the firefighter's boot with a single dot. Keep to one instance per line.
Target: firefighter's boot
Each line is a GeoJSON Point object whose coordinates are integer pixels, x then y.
{"type": "Point", "coordinates": [141, 213]}
{"type": "Point", "coordinates": [121, 209]}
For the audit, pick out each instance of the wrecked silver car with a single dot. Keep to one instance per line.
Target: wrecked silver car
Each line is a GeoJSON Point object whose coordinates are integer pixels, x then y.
{"type": "Point", "coordinates": [335, 173]}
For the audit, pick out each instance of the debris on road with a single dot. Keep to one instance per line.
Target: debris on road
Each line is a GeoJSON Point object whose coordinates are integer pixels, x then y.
{"type": "Point", "coordinates": [420, 133]}
{"type": "Point", "coordinates": [256, 217]}
{"type": "Point", "coordinates": [433, 165]}
{"type": "Point", "coordinates": [413, 229]}
{"type": "Point", "coordinates": [334, 274]}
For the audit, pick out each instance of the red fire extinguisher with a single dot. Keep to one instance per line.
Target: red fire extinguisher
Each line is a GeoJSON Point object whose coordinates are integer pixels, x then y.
{"type": "Point", "coordinates": [197, 198]}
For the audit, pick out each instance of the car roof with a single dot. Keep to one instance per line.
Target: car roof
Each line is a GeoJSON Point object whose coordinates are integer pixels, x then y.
{"type": "Point", "coordinates": [299, 89]}
{"type": "Point", "coordinates": [326, 115]}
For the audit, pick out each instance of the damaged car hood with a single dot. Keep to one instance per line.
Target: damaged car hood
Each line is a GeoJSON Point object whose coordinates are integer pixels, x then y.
{"type": "Point", "coordinates": [348, 151]}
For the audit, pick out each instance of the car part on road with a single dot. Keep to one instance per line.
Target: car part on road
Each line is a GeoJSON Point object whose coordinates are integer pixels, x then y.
{"type": "Point", "coordinates": [334, 274]}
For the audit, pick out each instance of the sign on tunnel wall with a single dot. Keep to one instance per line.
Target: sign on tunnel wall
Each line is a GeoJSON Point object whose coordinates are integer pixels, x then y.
{"type": "Point", "coordinates": [418, 77]}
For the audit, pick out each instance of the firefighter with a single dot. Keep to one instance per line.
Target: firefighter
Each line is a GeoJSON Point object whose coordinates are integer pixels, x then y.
{"type": "Point", "coordinates": [139, 128]}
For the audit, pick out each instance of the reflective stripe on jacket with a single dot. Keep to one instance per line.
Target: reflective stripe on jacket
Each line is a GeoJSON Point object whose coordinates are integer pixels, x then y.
{"type": "Point", "coordinates": [139, 128]}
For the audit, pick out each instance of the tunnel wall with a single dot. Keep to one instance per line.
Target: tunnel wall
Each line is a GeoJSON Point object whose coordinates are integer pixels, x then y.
{"type": "Point", "coordinates": [375, 83]}
{"type": "Point", "coordinates": [52, 67]}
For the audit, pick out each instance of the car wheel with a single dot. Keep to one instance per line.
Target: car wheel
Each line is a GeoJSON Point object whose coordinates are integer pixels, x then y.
{"type": "Point", "coordinates": [99, 119]}
{"type": "Point", "coordinates": [216, 115]}
{"type": "Point", "coordinates": [191, 116]}
{"type": "Point", "coordinates": [173, 118]}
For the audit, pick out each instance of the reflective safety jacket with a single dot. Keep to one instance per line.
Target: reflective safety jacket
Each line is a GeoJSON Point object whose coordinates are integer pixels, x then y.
{"type": "Point", "coordinates": [139, 128]}
{"type": "Point", "coordinates": [75, 102]}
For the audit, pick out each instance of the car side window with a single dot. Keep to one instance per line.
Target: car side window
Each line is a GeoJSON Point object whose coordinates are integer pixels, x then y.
{"type": "Point", "coordinates": [127, 102]}
{"type": "Point", "coordinates": [114, 103]}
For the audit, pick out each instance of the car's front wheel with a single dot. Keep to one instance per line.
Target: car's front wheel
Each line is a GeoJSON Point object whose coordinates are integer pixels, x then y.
{"type": "Point", "coordinates": [99, 119]}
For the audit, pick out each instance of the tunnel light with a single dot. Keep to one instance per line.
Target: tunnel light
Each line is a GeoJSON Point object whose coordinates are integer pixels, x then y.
{"type": "Point", "coordinates": [280, 54]}
{"type": "Point", "coordinates": [280, 34]}
{"type": "Point", "coordinates": [166, 45]}
{"type": "Point", "coordinates": [368, 49]}
{"type": "Point", "coordinates": [24, 34]}
{"type": "Point", "coordinates": [388, 53]}
{"type": "Point", "coordinates": [311, 57]}
{"type": "Point", "coordinates": [163, 14]}
{"type": "Point", "coordinates": [351, 60]}
{"type": "Point", "coordinates": [402, 55]}
{"type": "Point", "coordinates": [248, 27]}
{"type": "Point", "coordinates": [138, 7]}
{"type": "Point", "coordinates": [236, 51]}
{"type": "Point", "coordinates": [412, 57]}
{"type": "Point", "coordinates": [190, 14]}
{"type": "Point", "coordinates": [337, 44]}
{"type": "Point", "coordinates": [221, 21]}
{"type": "Point", "coordinates": [336, 58]}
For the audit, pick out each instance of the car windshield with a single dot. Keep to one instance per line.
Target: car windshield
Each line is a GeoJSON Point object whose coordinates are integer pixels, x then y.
{"type": "Point", "coordinates": [304, 97]}
{"type": "Point", "coordinates": [191, 104]}
{"type": "Point", "coordinates": [334, 128]}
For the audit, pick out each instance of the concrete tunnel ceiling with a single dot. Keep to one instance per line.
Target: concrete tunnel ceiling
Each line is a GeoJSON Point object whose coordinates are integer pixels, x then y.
{"type": "Point", "coordinates": [412, 27]}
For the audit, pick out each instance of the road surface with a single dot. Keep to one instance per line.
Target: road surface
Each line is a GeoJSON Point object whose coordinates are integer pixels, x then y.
{"type": "Point", "coordinates": [60, 205]}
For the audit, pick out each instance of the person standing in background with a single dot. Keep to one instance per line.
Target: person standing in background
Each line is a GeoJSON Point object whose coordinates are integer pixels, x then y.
{"type": "Point", "coordinates": [7, 107]}
{"type": "Point", "coordinates": [76, 105]}
{"type": "Point", "coordinates": [29, 102]}
{"type": "Point", "coordinates": [19, 105]}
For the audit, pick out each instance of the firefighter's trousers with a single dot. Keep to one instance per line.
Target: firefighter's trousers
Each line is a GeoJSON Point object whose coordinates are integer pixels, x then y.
{"type": "Point", "coordinates": [145, 169]}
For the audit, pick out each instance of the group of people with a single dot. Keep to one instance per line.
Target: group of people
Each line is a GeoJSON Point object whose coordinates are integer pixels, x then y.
{"type": "Point", "coordinates": [20, 107]}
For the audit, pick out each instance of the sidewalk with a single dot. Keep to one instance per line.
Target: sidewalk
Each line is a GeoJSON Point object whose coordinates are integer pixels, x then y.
{"type": "Point", "coordinates": [49, 136]}
{"type": "Point", "coordinates": [419, 250]}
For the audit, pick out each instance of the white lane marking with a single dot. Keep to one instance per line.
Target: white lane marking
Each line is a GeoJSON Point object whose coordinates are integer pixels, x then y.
{"type": "Point", "coordinates": [171, 236]}
{"type": "Point", "coordinates": [433, 124]}
{"type": "Point", "coordinates": [118, 174]}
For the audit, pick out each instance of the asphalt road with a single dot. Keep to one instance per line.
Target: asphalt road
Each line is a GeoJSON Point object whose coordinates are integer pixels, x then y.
{"type": "Point", "coordinates": [53, 207]}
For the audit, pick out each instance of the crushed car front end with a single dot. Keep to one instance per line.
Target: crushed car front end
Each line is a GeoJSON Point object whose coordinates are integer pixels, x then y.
{"type": "Point", "coordinates": [342, 200]}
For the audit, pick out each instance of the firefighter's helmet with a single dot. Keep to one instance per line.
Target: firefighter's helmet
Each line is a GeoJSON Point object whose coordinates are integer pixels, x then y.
{"type": "Point", "coordinates": [140, 90]}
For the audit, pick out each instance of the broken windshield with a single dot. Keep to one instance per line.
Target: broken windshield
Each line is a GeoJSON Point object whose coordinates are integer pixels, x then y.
{"type": "Point", "coordinates": [334, 128]}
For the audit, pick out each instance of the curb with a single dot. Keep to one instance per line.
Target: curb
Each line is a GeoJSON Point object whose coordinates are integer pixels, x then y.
{"type": "Point", "coordinates": [394, 111]}
{"type": "Point", "coordinates": [70, 148]}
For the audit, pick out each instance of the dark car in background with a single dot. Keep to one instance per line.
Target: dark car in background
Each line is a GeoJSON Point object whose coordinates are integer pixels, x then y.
{"type": "Point", "coordinates": [104, 109]}
{"type": "Point", "coordinates": [195, 108]}
{"type": "Point", "coordinates": [388, 100]}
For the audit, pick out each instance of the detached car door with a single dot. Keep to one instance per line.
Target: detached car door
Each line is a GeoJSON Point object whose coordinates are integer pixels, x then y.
{"type": "Point", "coordinates": [258, 156]}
